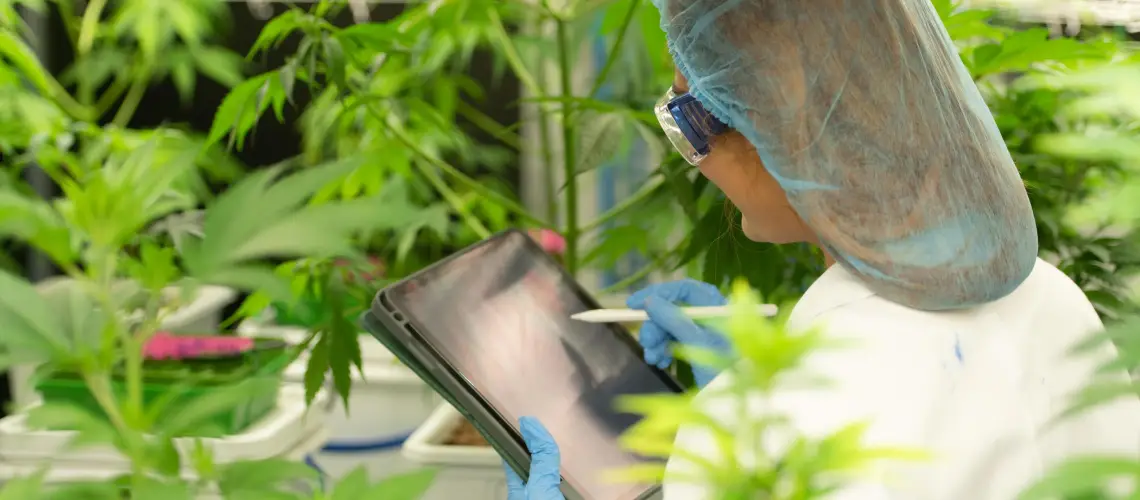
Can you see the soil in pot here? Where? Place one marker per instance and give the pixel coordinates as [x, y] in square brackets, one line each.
[466, 435]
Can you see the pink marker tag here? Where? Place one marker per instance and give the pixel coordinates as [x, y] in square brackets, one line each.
[164, 345]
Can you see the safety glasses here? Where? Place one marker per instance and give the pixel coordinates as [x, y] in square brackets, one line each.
[688, 125]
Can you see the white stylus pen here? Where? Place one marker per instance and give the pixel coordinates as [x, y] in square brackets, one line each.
[633, 315]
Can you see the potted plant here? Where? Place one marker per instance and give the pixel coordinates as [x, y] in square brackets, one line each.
[109, 74]
[81, 333]
[191, 367]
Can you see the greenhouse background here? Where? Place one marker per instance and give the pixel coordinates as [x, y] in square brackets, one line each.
[146, 143]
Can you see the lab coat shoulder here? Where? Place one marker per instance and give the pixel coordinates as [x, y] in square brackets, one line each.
[978, 388]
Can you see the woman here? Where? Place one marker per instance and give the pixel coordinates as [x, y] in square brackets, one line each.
[853, 125]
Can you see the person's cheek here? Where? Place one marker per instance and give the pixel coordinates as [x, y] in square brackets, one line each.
[724, 167]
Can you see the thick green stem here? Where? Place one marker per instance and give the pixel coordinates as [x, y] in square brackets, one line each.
[549, 180]
[615, 50]
[112, 95]
[131, 101]
[511, 54]
[569, 154]
[89, 26]
[88, 29]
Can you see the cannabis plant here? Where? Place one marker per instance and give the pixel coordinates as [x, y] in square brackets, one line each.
[1003, 61]
[387, 97]
[1105, 99]
[95, 232]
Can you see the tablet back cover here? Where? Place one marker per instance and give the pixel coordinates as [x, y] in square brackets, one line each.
[376, 327]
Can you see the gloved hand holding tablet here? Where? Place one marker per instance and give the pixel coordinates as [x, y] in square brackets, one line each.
[490, 330]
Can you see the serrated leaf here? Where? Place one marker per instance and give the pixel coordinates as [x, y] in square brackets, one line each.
[317, 367]
[23, 488]
[31, 329]
[240, 110]
[219, 65]
[601, 137]
[353, 486]
[315, 231]
[258, 217]
[23, 58]
[184, 79]
[334, 60]
[201, 410]
[250, 278]
[276, 30]
[89, 428]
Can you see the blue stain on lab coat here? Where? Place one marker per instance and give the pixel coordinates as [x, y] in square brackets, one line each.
[958, 348]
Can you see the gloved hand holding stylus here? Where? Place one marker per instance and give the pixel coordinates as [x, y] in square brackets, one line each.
[668, 325]
[545, 469]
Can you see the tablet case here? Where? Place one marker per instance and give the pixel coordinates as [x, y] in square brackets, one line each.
[373, 326]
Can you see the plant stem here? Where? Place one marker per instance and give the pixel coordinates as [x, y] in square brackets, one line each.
[112, 94]
[630, 280]
[489, 125]
[453, 199]
[512, 55]
[131, 101]
[67, 14]
[100, 386]
[569, 156]
[615, 50]
[72, 107]
[433, 178]
[455, 173]
[549, 183]
[89, 25]
[626, 204]
[641, 273]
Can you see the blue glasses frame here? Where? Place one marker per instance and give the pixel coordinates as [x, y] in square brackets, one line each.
[688, 125]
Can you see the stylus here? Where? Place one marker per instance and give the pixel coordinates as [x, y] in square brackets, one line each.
[633, 315]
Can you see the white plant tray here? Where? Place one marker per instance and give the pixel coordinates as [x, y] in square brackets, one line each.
[201, 315]
[279, 434]
[468, 472]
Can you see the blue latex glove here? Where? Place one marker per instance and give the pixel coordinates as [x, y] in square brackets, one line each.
[545, 465]
[667, 324]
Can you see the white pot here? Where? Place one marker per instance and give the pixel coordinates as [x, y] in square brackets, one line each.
[467, 472]
[291, 431]
[385, 406]
[201, 315]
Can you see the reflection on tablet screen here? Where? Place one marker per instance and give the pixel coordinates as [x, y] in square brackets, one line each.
[501, 316]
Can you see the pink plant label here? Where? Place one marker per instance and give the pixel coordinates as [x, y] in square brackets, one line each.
[167, 346]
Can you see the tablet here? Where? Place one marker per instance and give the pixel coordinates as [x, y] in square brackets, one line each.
[492, 326]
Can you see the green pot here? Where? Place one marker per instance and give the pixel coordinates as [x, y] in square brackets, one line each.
[162, 377]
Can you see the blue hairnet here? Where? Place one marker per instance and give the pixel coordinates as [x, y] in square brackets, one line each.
[865, 115]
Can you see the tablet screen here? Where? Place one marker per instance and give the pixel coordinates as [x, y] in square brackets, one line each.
[500, 315]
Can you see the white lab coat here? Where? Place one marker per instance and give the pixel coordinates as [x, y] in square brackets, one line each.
[974, 388]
